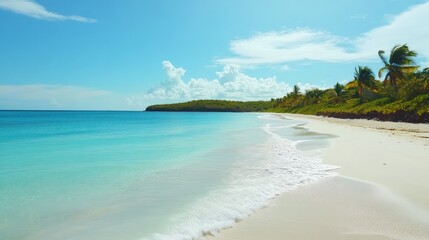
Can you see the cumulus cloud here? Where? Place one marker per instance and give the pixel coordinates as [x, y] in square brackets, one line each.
[174, 74]
[308, 86]
[308, 44]
[237, 85]
[33, 9]
[230, 84]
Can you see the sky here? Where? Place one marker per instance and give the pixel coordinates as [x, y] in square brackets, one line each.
[126, 55]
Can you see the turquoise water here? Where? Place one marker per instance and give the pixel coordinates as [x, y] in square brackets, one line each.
[144, 175]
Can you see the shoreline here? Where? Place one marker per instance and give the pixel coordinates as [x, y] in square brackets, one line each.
[383, 161]
[391, 154]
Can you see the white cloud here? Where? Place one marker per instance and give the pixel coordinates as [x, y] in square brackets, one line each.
[408, 27]
[174, 87]
[174, 74]
[33, 9]
[308, 44]
[307, 86]
[288, 46]
[230, 84]
[237, 85]
[204, 89]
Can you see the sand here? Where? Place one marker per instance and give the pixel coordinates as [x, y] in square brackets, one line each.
[382, 191]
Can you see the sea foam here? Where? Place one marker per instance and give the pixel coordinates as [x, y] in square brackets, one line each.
[266, 170]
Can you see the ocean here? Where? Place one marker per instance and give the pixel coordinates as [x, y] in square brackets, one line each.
[146, 175]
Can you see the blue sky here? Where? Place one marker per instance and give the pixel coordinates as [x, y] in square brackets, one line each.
[57, 54]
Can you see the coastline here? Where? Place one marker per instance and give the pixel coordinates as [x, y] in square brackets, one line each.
[380, 193]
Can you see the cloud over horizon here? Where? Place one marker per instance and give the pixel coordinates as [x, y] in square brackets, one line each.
[35, 10]
[308, 44]
[230, 84]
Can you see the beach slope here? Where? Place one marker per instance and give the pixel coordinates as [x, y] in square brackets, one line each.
[381, 191]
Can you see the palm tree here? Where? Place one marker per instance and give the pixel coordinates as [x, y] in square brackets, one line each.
[296, 90]
[313, 95]
[338, 88]
[400, 63]
[425, 78]
[364, 78]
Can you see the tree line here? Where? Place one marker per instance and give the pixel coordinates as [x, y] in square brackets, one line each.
[404, 80]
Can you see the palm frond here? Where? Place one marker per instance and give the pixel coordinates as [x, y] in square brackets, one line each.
[382, 57]
[409, 69]
[401, 55]
[400, 64]
[351, 84]
[381, 71]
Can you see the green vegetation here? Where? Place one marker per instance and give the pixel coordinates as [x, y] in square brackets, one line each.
[400, 63]
[364, 78]
[213, 106]
[403, 95]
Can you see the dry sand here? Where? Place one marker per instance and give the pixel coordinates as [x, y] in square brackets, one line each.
[382, 191]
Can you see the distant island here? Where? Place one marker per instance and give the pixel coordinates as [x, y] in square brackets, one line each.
[214, 106]
[403, 95]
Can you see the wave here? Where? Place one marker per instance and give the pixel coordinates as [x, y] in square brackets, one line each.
[265, 171]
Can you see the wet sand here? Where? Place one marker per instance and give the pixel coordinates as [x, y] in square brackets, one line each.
[382, 191]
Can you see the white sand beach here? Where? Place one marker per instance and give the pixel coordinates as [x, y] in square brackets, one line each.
[381, 192]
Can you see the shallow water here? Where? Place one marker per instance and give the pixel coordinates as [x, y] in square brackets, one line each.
[145, 175]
